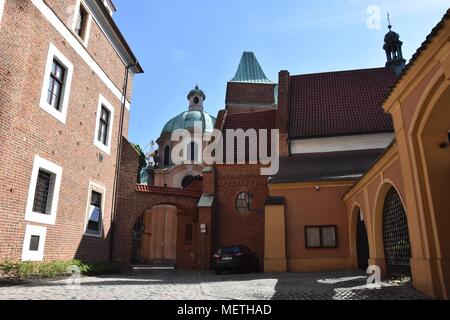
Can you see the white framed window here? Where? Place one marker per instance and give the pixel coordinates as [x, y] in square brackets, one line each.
[82, 20]
[43, 193]
[56, 85]
[95, 210]
[104, 125]
[34, 243]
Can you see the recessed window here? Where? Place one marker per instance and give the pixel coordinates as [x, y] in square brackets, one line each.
[80, 27]
[57, 82]
[34, 243]
[192, 154]
[104, 125]
[167, 156]
[320, 237]
[82, 22]
[94, 221]
[196, 100]
[244, 202]
[43, 193]
[95, 213]
[56, 85]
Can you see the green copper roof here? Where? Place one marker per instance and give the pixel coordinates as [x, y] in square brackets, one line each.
[250, 71]
[188, 119]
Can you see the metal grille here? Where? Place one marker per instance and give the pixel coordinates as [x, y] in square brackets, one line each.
[395, 234]
[42, 192]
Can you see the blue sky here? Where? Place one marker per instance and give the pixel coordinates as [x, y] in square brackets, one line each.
[180, 43]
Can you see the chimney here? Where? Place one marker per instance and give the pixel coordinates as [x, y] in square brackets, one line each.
[281, 122]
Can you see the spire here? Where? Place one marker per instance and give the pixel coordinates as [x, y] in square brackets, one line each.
[250, 71]
[393, 48]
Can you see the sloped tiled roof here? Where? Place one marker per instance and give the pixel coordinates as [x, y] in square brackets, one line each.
[250, 71]
[249, 120]
[339, 103]
[169, 191]
[325, 166]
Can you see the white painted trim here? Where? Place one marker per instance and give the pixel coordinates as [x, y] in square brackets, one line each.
[103, 102]
[88, 22]
[54, 53]
[343, 143]
[40, 163]
[28, 255]
[2, 5]
[78, 47]
[101, 189]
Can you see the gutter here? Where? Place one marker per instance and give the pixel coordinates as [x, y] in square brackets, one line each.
[118, 159]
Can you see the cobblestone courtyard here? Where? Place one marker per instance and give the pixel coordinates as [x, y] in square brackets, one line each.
[185, 285]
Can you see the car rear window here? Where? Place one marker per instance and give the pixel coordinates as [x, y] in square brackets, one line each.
[230, 250]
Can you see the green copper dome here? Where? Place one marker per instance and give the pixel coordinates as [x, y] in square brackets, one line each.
[188, 119]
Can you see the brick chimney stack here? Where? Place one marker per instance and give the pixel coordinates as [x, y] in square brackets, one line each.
[281, 122]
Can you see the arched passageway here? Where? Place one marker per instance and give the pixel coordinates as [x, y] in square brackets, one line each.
[397, 248]
[362, 243]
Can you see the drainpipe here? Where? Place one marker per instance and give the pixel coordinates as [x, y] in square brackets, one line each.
[118, 162]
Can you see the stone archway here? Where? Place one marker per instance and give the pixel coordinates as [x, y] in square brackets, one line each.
[431, 141]
[140, 205]
[362, 242]
[397, 247]
[378, 250]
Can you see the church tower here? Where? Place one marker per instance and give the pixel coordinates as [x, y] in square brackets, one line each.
[393, 48]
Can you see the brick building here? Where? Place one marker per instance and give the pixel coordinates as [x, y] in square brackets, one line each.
[362, 179]
[62, 70]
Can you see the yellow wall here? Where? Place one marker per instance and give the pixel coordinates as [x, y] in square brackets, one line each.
[275, 239]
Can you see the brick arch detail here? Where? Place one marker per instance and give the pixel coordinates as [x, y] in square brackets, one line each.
[138, 204]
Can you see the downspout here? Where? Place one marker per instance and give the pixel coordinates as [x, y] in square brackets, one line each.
[118, 162]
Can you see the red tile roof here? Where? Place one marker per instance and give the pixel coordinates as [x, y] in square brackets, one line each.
[250, 120]
[169, 191]
[339, 103]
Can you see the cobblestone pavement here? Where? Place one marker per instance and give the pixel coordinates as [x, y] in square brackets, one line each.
[185, 285]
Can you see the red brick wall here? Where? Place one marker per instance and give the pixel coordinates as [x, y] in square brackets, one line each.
[27, 130]
[98, 45]
[247, 93]
[230, 227]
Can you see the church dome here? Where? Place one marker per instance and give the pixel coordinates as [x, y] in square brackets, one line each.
[186, 120]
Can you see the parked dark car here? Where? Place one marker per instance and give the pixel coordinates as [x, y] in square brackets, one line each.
[238, 259]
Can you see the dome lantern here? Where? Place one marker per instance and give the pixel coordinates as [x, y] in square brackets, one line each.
[196, 98]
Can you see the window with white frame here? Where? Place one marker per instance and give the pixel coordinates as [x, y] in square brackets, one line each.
[43, 192]
[56, 85]
[82, 22]
[34, 243]
[104, 125]
[95, 208]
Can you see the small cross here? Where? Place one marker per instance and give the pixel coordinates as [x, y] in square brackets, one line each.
[389, 21]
